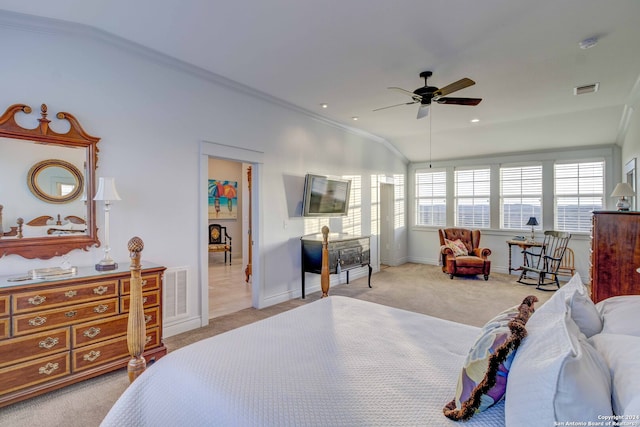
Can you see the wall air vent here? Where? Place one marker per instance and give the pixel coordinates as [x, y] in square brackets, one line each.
[581, 90]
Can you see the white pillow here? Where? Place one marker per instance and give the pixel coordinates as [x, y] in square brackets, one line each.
[35, 230]
[547, 381]
[585, 314]
[622, 355]
[620, 315]
[574, 294]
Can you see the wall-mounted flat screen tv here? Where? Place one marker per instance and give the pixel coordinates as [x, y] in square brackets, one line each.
[325, 196]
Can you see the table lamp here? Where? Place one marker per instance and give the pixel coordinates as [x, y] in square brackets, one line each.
[532, 222]
[106, 192]
[623, 190]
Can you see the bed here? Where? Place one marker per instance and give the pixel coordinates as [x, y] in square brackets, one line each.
[342, 361]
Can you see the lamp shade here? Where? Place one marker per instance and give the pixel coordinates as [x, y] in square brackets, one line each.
[532, 221]
[107, 189]
[623, 190]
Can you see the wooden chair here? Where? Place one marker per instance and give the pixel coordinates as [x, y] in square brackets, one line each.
[219, 240]
[545, 261]
[567, 265]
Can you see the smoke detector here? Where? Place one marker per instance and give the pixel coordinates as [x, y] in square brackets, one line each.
[581, 90]
[588, 42]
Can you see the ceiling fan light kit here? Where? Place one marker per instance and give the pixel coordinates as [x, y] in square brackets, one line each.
[426, 94]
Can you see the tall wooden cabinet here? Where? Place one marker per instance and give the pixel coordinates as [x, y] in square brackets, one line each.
[615, 254]
[57, 332]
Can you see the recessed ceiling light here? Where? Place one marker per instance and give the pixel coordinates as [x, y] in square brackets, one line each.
[588, 42]
[354, 118]
[475, 120]
[324, 105]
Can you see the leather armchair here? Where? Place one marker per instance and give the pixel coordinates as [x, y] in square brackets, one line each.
[474, 263]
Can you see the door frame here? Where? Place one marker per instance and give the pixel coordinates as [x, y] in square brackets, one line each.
[241, 155]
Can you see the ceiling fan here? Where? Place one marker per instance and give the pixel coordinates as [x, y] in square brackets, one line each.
[424, 95]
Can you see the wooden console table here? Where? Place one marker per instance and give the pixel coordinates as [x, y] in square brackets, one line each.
[524, 245]
[346, 252]
[61, 330]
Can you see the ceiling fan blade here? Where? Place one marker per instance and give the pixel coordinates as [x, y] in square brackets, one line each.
[416, 98]
[460, 84]
[423, 111]
[459, 101]
[396, 105]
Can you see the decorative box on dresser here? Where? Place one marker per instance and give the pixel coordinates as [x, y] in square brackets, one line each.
[615, 254]
[56, 332]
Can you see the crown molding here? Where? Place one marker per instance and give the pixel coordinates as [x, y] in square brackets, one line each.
[37, 24]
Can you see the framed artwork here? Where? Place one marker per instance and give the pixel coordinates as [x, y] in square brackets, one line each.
[223, 199]
[630, 174]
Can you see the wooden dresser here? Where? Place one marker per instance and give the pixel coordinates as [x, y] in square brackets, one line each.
[615, 254]
[57, 332]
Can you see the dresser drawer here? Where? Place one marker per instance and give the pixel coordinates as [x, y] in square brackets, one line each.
[108, 351]
[4, 305]
[149, 282]
[48, 319]
[34, 372]
[149, 299]
[4, 328]
[112, 327]
[49, 298]
[33, 346]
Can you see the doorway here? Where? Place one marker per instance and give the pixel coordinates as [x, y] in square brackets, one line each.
[247, 158]
[229, 291]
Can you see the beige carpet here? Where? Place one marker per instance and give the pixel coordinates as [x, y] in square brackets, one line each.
[414, 287]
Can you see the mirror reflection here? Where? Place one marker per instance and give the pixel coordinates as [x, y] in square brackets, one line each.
[55, 181]
[50, 184]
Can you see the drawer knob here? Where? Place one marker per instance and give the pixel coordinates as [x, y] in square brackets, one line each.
[147, 318]
[144, 300]
[92, 355]
[37, 300]
[144, 282]
[71, 313]
[37, 321]
[147, 340]
[101, 308]
[100, 290]
[48, 343]
[92, 332]
[70, 294]
[48, 369]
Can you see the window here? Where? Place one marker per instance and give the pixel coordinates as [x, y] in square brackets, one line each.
[398, 190]
[472, 190]
[431, 198]
[520, 196]
[352, 223]
[579, 189]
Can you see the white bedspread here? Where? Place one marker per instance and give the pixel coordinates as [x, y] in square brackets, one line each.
[334, 362]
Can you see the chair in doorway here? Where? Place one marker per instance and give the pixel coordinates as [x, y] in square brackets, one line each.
[461, 253]
[219, 240]
[542, 264]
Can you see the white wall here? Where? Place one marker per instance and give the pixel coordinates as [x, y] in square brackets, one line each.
[151, 114]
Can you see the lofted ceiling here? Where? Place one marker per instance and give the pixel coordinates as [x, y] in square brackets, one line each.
[523, 55]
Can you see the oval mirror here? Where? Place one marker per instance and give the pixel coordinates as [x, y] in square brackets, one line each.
[55, 181]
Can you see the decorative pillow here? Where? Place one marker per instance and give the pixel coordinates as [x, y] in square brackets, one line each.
[483, 379]
[622, 355]
[620, 315]
[458, 248]
[547, 381]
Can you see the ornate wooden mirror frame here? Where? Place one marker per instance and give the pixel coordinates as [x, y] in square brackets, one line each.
[48, 247]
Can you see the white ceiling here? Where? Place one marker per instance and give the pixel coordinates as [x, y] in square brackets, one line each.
[523, 55]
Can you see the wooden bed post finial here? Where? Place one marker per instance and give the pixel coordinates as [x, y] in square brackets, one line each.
[324, 269]
[136, 331]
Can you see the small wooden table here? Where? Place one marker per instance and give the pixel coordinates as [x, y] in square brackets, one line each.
[524, 245]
